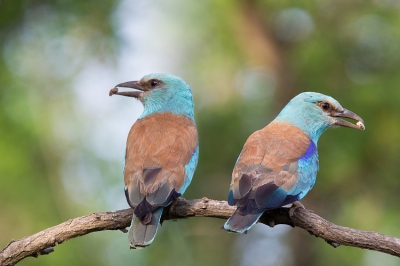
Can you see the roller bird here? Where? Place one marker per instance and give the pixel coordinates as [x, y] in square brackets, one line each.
[162, 151]
[278, 164]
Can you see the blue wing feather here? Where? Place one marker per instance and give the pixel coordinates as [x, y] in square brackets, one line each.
[190, 168]
[307, 172]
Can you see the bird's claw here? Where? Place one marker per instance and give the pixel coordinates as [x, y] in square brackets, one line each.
[333, 244]
[295, 205]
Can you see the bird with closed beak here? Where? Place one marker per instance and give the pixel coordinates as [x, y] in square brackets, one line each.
[162, 151]
[278, 164]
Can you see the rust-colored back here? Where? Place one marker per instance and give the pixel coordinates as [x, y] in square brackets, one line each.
[158, 148]
[270, 155]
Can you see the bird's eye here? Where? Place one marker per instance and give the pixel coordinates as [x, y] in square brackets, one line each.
[154, 82]
[325, 106]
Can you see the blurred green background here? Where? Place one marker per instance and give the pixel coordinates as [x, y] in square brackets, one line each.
[62, 137]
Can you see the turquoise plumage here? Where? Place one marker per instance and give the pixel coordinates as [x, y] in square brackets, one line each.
[161, 153]
[278, 164]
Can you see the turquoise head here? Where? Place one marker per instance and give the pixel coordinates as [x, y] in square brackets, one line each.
[314, 113]
[160, 93]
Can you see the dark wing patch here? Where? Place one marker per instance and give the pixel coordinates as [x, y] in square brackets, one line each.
[161, 195]
[275, 200]
[245, 183]
[144, 209]
[264, 192]
[133, 194]
[149, 174]
[290, 199]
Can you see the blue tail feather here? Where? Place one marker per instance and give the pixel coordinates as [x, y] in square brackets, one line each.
[141, 235]
[239, 223]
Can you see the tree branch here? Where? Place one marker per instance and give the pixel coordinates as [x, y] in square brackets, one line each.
[43, 242]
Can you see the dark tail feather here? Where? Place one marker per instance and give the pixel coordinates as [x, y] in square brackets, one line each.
[141, 235]
[239, 223]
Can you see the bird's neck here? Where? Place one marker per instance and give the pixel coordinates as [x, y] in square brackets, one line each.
[306, 121]
[176, 105]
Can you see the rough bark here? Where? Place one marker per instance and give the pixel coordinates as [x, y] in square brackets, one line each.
[43, 242]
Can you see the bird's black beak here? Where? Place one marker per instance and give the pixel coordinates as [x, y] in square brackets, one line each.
[129, 84]
[348, 114]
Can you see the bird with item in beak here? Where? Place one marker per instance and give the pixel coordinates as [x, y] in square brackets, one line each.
[278, 164]
[162, 151]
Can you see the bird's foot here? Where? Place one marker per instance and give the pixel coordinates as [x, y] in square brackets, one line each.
[295, 205]
[271, 222]
[333, 244]
[45, 251]
[268, 220]
[124, 230]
